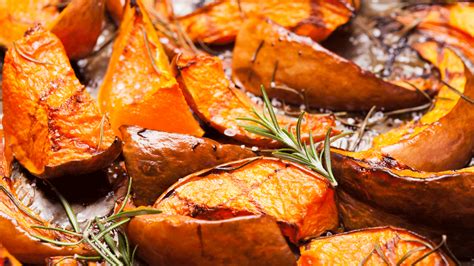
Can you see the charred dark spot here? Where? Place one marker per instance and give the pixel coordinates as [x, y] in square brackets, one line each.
[214, 147]
[140, 133]
[300, 53]
[201, 244]
[195, 145]
[169, 194]
[276, 170]
[7, 262]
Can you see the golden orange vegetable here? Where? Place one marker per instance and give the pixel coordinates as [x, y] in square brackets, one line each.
[52, 124]
[265, 53]
[373, 246]
[70, 261]
[6, 259]
[156, 160]
[139, 88]
[78, 25]
[209, 94]
[180, 240]
[300, 200]
[220, 21]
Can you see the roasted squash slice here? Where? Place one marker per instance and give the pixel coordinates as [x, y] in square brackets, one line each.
[156, 160]
[70, 261]
[373, 246]
[209, 94]
[220, 21]
[403, 174]
[6, 259]
[449, 24]
[265, 53]
[78, 25]
[138, 88]
[300, 200]
[51, 123]
[181, 240]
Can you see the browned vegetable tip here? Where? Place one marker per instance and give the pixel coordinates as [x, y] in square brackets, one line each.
[78, 25]
[300, 200]
[156, 160]
[181, 240]
[52, 124]
[407, 173]
[373, 246]
[219, 22]
[212, 98]
[265, 53]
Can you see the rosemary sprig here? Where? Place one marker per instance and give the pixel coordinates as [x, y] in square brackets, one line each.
[102, 234]
[296, 150]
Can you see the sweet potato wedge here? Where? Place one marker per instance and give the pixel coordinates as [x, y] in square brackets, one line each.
[138, 88]
[181, 240]
[373, 246]
[52, 124]
[78, 25]
[265, 53]
[209, 94]
[156, 160]
[220, 21]
[449, 24]
[300, 200]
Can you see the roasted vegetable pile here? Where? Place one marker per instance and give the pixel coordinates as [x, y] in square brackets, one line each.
[236, 132]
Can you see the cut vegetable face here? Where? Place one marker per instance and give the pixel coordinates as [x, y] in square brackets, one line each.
[220, 22]
[78, 25]
[373, 246]
[209, 94]
[265, 53]
[51, 123]
[139, 88]
[156, 160]
[300, 200]
[163, 239]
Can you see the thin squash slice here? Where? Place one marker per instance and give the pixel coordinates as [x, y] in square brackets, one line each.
[52, 125]
[139, 88]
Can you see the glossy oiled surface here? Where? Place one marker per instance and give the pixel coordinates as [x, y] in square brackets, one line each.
[220, 22]
[138, 88]
[51, 123]
[181, 240]
[156, 160]
[300, 200]
[266, 52]
[374, 246]
[208, 92]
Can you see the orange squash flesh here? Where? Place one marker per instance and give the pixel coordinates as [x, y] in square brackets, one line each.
[6, 259]
[209, 94]
[360, 246]
[70, 261]
[52, 124]
[220, 22]
[78, 25]
[138, 88]
[300, 200]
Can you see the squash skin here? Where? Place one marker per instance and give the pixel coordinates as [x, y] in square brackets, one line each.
[156, 160]
[385, 181]
[78, 33]
[212, 99]
[300, 200]
[358, 245]
[219, 22]
[137, 91]
[181, 240]
[328, 80]
[67, 135]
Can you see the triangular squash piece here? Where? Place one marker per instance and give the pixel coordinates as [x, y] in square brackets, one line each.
[52, 124]
[139, 88]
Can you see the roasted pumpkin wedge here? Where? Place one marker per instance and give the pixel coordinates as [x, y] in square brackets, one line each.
[138, 88]
[373, 246]
[265, 53]
[6, 259]
[78, 25]
[220, 21]
[70, 261]
[156, 160]
[52, 124]
[300, 200]
[387, 177]
[209, 94]
[181, 240]
[449, 24]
